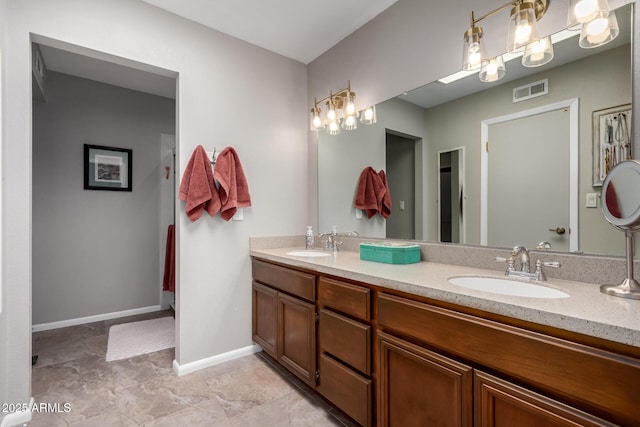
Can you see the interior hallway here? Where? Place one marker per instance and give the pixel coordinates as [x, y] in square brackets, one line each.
[145, 391]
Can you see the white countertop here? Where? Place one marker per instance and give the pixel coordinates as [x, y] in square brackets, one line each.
[586, 311]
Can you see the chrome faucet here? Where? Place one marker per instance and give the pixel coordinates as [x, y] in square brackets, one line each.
[523, 253]
[331, 244]
[525, 265]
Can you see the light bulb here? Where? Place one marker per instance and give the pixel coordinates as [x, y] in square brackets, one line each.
[368, 114]
[317, 122]
[537, 50]
[523, 32]
[492, 69]
[597, 27]
[584, 9]
[331, 114]
[350, 107]
[474, 54]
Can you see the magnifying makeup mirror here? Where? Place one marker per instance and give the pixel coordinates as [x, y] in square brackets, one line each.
[621, 207]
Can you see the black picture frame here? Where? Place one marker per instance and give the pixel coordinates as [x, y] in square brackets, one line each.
[107, 168]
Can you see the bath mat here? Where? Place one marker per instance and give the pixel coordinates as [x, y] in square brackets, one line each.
[133, 339]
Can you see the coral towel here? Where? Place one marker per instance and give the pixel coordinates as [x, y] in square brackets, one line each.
[233, 187]
[169, 279]
[197, 188]
[385, 203]
[370, 192]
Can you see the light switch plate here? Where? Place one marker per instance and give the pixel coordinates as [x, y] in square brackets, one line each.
[592, 200]
[358, 213]
[401, 205]
[239, 216]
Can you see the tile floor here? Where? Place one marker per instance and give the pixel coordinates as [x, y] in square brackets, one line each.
[144, 390]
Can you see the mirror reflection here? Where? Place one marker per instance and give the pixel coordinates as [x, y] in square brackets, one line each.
[498, 164]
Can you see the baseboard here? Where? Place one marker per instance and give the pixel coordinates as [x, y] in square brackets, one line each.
[188, 368]
[96, 318]
[18, 418]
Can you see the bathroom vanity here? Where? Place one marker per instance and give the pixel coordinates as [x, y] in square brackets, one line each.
[400, 346]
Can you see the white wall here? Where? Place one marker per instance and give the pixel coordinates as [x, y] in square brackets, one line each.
[95, 252]
[229, 93]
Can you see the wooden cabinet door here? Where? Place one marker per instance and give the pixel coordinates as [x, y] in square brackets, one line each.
[297, 337]
[499, 403]
[265, 318]
[417, 387]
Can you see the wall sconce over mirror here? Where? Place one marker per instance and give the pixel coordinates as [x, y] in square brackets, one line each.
[597, 24]
[342, 112]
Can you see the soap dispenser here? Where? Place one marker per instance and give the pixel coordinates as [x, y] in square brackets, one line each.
[309, 242]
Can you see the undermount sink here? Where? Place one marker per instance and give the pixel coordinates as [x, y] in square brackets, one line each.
[497, 285]
[313, 254]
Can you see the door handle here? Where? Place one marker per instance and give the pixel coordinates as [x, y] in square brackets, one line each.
[558, 230]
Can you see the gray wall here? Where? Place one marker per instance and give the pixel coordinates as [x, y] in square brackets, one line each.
[344, 157]
[216, 84]
[5, 346]
[95, 252]
[443, 122]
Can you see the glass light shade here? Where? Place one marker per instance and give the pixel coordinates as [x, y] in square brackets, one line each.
[492, 70]
[368, 116]
[350, 122]
[583, 11]
[523, 27]
[316, 121]
[350, 103]
[333, 127]
[538, 53]
[473, 51]
[599, 32]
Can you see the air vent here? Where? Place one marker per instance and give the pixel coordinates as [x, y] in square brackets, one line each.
[531, 90]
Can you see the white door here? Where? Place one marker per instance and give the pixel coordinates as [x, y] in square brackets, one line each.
[528, 181]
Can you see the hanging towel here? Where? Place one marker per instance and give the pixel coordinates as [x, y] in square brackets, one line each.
[233, 189]
[385, 202]
[169, 279]
[370, 192]
[197, 188]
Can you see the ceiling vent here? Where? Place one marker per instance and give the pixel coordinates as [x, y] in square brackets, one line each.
[532, 90]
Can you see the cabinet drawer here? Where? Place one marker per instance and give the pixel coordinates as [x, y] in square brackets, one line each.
[346, 389]
[346, 298]
[346, 339]
[500, 403]
[290, 281]
[599, 382]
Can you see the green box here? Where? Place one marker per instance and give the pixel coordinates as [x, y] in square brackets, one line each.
[390, 252]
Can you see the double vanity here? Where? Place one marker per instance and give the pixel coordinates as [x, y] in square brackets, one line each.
[440, 344]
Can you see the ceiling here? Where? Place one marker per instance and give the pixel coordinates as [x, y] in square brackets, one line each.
[298, 29]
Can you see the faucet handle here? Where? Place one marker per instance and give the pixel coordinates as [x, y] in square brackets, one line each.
[511, 261]
[540, 276]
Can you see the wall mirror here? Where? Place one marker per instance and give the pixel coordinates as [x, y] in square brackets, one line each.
[535, 181]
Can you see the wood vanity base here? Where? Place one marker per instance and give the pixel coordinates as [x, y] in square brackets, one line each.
[392, 359]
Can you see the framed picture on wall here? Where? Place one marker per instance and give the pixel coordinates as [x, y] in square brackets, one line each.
[107, 168]
[611, 140]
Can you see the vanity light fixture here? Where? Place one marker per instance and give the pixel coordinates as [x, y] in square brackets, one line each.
[523, 30]
[342, 112]
[597, 24]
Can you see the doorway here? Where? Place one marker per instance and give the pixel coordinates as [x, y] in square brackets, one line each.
[95, 253]
[401, 176]
[451, 195]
